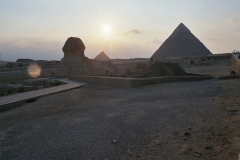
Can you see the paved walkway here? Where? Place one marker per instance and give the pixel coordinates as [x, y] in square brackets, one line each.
[14, 100]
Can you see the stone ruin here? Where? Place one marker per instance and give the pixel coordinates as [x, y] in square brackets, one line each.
[159, 69]
[25, 60]
[19, 63]
[75, 62]
[27, 85]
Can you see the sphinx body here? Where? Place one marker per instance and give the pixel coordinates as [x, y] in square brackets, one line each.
[74, 61]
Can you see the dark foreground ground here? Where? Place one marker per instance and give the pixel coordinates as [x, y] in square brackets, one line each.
[187, 120]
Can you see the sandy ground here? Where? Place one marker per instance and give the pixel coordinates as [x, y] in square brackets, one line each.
[188, 120]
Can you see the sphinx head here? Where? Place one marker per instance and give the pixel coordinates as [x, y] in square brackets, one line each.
[73, 46]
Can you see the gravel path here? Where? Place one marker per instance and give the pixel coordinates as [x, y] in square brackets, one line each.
[149, 122]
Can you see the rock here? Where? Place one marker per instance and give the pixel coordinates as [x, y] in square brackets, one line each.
[208, 146]
[4, 90]
[232, 110]
[34, 82]
[20, 89]
[187, 134]
[207, 137]
[219, 148]
[158, 142]
[184, 138]
[231, 113]
[184, 151]
[40, 87]
[14, 91]
[224, 125]
[197, 154]
[239, 156]
[129, 152]
[51, 83]
[28, 88]
[190, 148]
[114, 141]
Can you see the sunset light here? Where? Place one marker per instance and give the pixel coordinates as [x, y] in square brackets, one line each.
[106, 29]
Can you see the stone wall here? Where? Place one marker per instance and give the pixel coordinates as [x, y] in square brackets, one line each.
[22, 75]
[125, 66]
[235, 64]
[42, 63]
[203, 60]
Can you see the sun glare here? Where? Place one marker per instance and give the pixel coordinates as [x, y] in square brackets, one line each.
[106, 29]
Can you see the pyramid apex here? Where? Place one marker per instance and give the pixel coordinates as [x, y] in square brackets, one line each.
[181, 28]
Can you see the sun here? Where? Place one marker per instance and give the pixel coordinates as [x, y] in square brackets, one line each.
[106, 29]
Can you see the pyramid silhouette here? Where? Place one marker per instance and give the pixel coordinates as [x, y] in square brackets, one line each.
[181, 43]
[102, 56]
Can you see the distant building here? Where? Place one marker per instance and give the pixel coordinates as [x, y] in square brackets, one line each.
[2, 63]
[25, 60]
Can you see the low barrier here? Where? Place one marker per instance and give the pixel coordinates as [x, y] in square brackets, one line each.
[133, 82]
[235, 64]
[22, 75]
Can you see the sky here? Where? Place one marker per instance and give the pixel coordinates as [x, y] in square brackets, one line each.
[122, 29]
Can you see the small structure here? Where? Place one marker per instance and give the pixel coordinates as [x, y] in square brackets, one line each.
[159, 69]
[25, 60]
[131, 66]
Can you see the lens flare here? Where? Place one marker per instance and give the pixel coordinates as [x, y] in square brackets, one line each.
[34, 70]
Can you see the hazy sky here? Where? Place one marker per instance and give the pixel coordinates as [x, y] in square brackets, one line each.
[38, 29]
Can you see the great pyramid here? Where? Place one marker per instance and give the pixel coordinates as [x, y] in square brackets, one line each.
[181, 43]
[102, 56]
